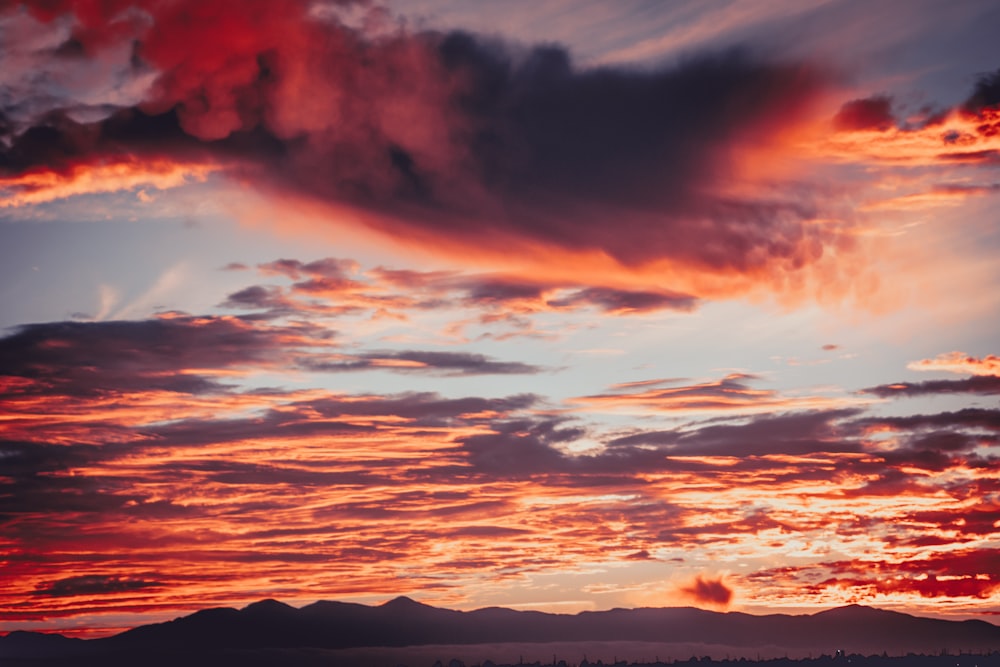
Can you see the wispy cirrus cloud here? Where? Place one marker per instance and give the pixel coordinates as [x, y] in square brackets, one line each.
[732, 393]
[446, 363]
[499, 305]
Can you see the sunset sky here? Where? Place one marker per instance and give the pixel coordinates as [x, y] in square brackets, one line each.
[553, 305]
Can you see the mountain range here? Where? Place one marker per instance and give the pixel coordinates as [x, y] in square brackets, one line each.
[403, 622]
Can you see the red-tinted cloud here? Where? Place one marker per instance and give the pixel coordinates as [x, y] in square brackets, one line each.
[233, 495]
[705, 590]
[963, 573]
[449, 139]
[865, 130]
[871, 113]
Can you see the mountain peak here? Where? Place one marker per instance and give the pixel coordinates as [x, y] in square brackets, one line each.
[403, 602]
[855, 610]
[267, 605]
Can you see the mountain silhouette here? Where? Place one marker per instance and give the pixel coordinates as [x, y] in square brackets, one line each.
[400, 622]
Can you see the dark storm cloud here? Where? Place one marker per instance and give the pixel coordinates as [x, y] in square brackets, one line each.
[567, 150]
[487, 140]
[985, 95]
[59, 143]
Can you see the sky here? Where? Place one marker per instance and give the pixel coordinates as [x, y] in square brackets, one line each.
[554, 305]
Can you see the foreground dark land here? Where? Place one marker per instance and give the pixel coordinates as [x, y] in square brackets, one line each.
[405, 632]
[317, 658]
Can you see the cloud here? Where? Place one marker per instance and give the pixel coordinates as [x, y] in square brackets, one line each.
[870, 113]
[965, 418]
[959, 362]
[260, 297]
[960, 573]
[985, 96]
[478, 305]
[626, 301]
[36, 186]
[415, 361]
[709, 591]
[978, 384]
[866, 131]
[174, 353]
[173, 359]
[96, 584]
[508, 294]
[449, 139]
[731, 393]
[325, 485]
[796, 433]
[148, 451]
[329, 268]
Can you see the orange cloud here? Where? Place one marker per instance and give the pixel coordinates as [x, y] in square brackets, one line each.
[959, 362]
[41, 186]
[956, 137]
